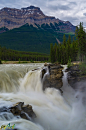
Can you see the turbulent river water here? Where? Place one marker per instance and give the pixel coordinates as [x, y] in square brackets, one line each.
[18, 83]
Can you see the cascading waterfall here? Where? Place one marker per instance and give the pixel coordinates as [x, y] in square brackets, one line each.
[18, 83]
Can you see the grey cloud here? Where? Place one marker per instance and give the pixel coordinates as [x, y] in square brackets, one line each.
[84, 14]
[64, 7]
[59, 7]
[70, 18]
[73, 3]
[73, 20]
[10, 3]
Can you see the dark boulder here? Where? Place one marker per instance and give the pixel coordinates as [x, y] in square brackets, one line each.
[3, 109]
[18, 110]
[28, 109]
[24, 111]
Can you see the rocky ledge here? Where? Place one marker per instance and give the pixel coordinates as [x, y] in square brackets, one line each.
[19, 110]
[54, 79]
[76, 76]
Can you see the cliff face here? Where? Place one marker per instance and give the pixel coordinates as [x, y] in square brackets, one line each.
[77, 77]
[54, 79]
[14, 18]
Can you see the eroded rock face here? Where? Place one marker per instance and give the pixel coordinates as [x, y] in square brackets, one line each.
[19, 109]
[75, 76]
[54, 80]
[24, 111]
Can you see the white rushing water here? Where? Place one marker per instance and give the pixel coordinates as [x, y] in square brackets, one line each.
[18, 83]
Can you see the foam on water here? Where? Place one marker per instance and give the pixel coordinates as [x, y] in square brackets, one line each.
[53, 111]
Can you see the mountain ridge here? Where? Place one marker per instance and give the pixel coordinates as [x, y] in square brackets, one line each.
[15, 18]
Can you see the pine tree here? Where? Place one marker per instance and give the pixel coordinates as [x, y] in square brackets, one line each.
[55, 52]
[52, 56]
[64, 40]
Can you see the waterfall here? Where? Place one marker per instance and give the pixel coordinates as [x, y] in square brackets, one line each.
[23, 83]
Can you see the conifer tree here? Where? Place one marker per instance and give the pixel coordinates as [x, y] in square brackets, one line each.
[64, 40]
[55, 52]
[52, 57]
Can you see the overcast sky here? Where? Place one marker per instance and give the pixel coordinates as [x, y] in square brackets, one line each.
[67, 10]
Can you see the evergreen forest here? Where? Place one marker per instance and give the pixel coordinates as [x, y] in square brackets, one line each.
[70, 50]
[13, 55]
[30, 38]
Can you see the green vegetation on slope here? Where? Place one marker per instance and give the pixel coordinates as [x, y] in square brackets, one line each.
[12, 55]
[29, 38]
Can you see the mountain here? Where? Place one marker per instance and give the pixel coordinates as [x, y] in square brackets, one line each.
[29, 29]
[15, 18]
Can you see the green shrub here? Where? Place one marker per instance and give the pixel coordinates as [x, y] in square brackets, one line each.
[19, 60]
[32, 61]
[82, 67]
[69, 63]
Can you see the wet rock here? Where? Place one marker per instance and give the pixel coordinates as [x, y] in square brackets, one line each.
[45, 64]
[3, 109]
[54, 79]
[17, 108]
[28, 109]
[35, 69]
[24, 111]
[75, 76]
[43, 72]
[24, 116]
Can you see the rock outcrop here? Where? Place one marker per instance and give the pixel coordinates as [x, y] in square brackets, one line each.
[14, 18]
[54, 79]
[24, 111]
[19, 109]
[75, 76]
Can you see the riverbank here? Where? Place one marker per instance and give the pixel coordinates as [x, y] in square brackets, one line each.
[20, 62]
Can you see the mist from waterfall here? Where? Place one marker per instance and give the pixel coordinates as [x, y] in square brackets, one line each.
[23, 83]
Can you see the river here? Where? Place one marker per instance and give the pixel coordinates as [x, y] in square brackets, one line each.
[18, 83]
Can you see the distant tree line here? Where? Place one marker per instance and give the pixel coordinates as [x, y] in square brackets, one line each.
[70, 50]
[12, 55]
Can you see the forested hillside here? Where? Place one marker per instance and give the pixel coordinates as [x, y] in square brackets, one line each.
[12, 55]
[33, 39]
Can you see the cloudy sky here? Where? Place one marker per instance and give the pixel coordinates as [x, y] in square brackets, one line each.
[67, 10]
